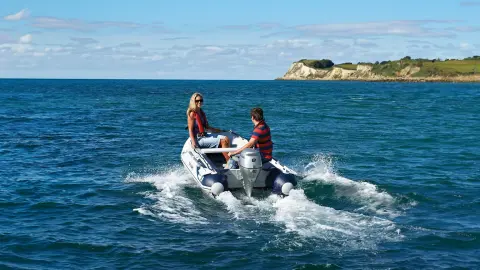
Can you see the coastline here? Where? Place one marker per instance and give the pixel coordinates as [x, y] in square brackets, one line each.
[459, 79]
[300, 71]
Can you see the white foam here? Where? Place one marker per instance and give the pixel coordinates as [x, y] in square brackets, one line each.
[233, 204]
[307, 220]
[243, 207]
[170, 201]
[373, 201]
[335, 227]
[296, 221]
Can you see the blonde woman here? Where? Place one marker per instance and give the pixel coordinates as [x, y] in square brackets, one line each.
[198, 127]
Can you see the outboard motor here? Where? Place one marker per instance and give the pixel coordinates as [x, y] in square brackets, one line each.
[250, 165]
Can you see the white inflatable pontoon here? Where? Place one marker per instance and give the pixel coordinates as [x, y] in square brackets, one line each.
[208, 168]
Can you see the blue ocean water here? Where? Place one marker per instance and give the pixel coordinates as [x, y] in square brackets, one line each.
[91, 177]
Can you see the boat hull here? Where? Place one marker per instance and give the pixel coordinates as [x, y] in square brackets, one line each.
[208, 169]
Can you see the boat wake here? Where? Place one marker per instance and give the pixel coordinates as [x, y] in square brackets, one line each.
[304, 222]
[171, 203]
[367, 196]
[299, 218]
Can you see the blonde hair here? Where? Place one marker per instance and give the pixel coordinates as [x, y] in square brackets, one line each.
[192, 106]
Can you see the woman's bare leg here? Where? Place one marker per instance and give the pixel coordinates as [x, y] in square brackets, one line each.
[225, 143]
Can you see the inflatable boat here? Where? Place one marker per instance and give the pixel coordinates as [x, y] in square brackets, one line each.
[210, 171]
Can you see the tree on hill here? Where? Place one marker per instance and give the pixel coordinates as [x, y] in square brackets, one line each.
[475, 57]
[423, 59]
[324, 63]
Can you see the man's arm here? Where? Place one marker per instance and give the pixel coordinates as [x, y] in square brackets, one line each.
[249, 144]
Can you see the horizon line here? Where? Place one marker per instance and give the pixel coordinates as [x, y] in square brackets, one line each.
[138, 79]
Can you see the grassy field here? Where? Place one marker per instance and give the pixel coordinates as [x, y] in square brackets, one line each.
[449, 68]
[347, 66]
[429, 68]
[460, 66]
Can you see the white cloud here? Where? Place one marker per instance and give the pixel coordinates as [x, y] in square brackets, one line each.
[22, 14]
[410, 28]
[25, 65]
[420, 28]
[80, 25]
[120, 54]
[255, 26]
[465, 46]
[130, 45]
[20, 48]
[154, 57]
[284, 54]
[213, 49]
[365, 43]
[56, 23]
[84, 41]
[291, 44]
[54, 49]
[26, 39]
[174, 38]
[464, 29]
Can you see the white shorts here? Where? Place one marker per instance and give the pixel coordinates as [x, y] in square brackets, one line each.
[210, 140]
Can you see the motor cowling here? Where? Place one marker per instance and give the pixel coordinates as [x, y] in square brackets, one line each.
[250, 164]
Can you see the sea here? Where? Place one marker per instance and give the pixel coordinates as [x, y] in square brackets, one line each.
[91, 176]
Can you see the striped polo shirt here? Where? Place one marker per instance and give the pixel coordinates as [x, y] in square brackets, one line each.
[261, 133]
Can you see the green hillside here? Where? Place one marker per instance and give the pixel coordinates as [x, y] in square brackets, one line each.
[427, 67]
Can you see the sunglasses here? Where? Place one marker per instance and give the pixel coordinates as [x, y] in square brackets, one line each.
[199, 100]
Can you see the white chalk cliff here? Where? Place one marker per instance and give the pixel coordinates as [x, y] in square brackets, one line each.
[300, 71]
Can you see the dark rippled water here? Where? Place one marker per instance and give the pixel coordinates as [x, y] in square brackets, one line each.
[90, 176]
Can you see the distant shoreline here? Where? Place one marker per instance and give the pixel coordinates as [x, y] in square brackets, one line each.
[403, 80]
[403, 70]
[427, 80]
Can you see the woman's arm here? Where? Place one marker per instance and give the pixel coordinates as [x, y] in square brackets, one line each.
[190, 121]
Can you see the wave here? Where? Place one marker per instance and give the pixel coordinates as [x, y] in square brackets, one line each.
[306, 221]
[296, 217]
[370, 199]
[171, 203]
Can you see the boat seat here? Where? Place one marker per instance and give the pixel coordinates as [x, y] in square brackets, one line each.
[217, 158]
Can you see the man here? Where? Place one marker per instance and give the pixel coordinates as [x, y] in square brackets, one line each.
[260, 138]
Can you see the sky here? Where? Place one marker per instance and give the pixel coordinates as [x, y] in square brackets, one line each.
[224, 39]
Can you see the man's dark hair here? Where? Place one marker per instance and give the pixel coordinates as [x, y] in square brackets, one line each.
[257, 114]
